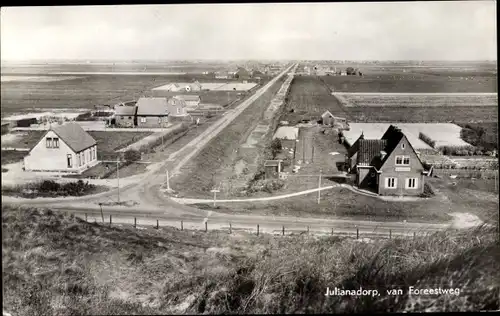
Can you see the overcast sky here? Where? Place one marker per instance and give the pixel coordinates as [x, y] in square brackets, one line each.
[354, 31]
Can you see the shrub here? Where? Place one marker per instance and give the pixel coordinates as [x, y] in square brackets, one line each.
[428, 191]
[426, 139]
[49, 186]
[276, 147]
[132, 155]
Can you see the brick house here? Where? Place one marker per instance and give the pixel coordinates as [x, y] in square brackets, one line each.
[152, 112]
[387, 166]
[125, 116]
[63, 148]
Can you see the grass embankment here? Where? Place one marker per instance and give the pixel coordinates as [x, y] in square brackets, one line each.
[59, 265]
[206, 169]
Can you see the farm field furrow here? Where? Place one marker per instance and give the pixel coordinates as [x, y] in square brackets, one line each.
[415, 100]
[404, 82]
[428, 114]
[308, 99]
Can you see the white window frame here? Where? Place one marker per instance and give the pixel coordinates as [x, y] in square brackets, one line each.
[402, 160]
[388, 182]
[48, 142]
[143, 120]
[403, 146]
[55, 142]
[178, 111]
[408, 180]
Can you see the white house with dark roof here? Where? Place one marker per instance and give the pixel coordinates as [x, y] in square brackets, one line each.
[63, 148]
[152, 112]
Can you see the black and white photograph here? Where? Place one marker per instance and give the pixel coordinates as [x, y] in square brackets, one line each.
[250, 158]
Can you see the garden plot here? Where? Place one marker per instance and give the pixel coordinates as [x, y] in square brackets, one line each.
[444, 134]
[256, 136]
[417, 99]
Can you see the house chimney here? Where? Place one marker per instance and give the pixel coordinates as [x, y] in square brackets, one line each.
[362, 135]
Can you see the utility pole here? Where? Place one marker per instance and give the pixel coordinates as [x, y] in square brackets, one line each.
[215, 194]
[118, 177]
[319, 186]
[168, 182]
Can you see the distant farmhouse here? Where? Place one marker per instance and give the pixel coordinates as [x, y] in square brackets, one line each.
[125, 116]
[388, 166]
[63, 148]
[152, 112]
[242, 74]
[184, 86]
[192, 101]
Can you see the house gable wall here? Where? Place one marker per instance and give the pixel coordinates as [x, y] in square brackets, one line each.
[389, 170]
[152, 121]
[41, 158]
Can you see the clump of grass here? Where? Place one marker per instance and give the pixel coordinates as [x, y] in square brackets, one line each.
[54, 264]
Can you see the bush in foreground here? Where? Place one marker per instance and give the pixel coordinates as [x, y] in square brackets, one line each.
[50, 188]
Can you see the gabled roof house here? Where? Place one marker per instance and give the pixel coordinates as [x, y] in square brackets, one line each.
[388, 166]
[63, 148]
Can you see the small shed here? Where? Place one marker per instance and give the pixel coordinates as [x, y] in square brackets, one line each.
[327, 118]
[272, 169]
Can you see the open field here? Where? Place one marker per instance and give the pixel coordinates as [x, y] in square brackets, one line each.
[36, 78]
[51, 258]
[309, 98]
[82, 92]
[390, 79]
[209, 167]
[11, 156]
[444, 134]
[418, 100]
[429, 114]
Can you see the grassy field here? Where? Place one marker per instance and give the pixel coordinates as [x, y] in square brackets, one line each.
[426, 100]
[415, 80]
[429, 114]
[206, 97]
[11, 156]
[308, 99]
[58, 265]
[477, 197]
[206, 169]
[85, 91]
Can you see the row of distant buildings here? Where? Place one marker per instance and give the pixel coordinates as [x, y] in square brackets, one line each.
[154, 112]
[319, 70]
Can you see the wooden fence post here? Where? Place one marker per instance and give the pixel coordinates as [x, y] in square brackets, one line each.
[390, 233]
[257, 229]
[206, 226]
[157, 224]
[135, 222]
[182, 225]
[230, 228]
[414, 235]
[283, 230]
[110, 219]
[357, 233]
[332, 231]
